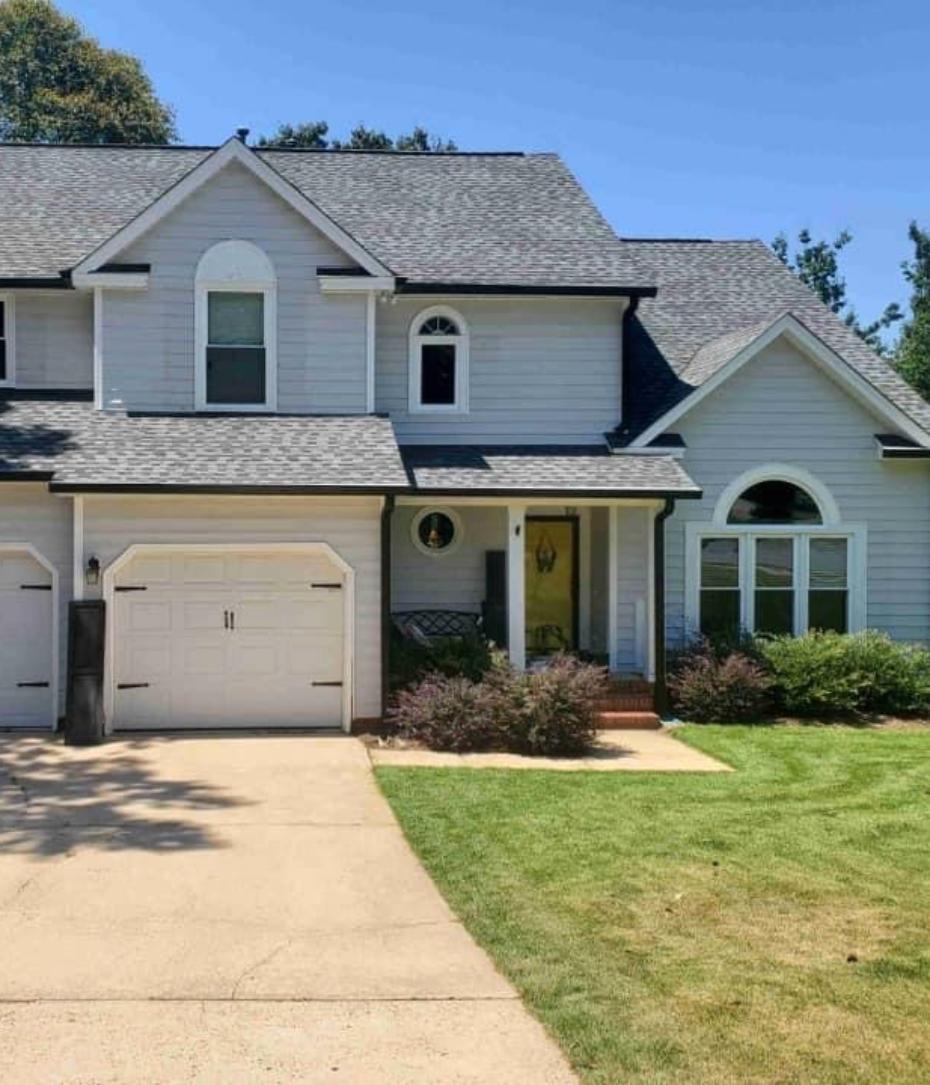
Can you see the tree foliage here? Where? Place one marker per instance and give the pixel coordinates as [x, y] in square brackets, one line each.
[913, 354]
[816, 264]
[58, 85]
[315, 135]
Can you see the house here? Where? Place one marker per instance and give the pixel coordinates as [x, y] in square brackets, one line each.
[261, 401]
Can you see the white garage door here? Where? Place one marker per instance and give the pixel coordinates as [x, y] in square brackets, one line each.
[26, 656]
[232, 639]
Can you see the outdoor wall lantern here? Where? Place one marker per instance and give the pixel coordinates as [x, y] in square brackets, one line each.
[92, 572]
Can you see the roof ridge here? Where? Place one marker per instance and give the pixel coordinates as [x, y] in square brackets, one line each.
[693, 240]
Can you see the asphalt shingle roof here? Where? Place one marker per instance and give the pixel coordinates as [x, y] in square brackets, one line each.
[488, 219]
[546, 469]
[79, 445]
[714, 297]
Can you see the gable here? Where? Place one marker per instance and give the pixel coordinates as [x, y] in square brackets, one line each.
[718, 363]
[781, 402]
[201, 176]
[234, 204]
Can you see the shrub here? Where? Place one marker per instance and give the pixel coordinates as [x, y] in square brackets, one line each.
[447, 713]
[466, 657]
[560, 707]
[834, 674]
[551, 711]
[708, 684]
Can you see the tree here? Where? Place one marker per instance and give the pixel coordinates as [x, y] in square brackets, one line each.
[913, 353]
[816, 264]
[314, 135]
[58, 85]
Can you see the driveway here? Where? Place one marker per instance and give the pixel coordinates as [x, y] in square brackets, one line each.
[233, 909]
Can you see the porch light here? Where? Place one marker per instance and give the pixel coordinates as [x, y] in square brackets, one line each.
[92, 572]
[546, 554]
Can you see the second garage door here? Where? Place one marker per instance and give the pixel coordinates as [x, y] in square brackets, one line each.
[228, 639]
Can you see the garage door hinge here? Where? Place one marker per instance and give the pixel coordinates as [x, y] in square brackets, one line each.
[132, 685]
[35, 587]
[332, 587]
[131, 587]
[32, 685]
[326, 683]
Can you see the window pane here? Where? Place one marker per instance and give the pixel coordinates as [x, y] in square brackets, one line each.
[774, 503]
[437, 374]
[438, 325]
[236, 375]
[720, 563]
[236, 319]
[2, 359]
[828, 563]
[2, 319]
[436, 531]
[774, 563]
[827, 610]
[720, 613]
[775, 612]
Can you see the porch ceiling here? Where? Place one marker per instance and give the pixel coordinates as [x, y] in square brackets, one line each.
[544, 470]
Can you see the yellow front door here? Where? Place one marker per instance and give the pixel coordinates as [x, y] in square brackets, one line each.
[551, 563]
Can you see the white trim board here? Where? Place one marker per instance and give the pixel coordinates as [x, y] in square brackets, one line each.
[348, 666]
[233, 150]
[801, 337]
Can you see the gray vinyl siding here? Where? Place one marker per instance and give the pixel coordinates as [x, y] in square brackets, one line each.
[54, 340]
[453, 581]
[30, 514]
[541, 371]
[780, 408]
[351, 526]
[148, 336]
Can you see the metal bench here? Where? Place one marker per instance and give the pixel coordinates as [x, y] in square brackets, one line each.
[429, 625]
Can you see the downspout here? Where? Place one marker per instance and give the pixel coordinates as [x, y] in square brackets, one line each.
[658, 549]
[387, 510]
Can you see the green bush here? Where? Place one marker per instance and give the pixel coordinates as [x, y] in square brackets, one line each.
[834, 674]
[455, 657]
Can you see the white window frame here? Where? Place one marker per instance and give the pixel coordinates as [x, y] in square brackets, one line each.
[236, 267]
[458, 530]
[832, 526]
[415, 367]
[9, 334]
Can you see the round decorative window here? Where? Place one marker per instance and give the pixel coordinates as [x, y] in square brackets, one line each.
[436, 531]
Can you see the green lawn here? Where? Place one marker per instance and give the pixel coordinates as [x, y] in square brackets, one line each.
[769, 925]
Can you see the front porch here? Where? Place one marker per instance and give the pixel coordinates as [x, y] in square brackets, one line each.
[574, 574]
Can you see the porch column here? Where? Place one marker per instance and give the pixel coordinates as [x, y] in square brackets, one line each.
[516, 585]
[613, 588]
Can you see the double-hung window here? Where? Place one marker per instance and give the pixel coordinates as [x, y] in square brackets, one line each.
[236, 352]
[235, 334]
[774, 567]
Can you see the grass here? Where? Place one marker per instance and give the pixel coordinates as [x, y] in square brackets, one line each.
[767, 925]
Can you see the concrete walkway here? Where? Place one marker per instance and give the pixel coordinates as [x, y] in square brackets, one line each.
[234, 909]
[616, 751]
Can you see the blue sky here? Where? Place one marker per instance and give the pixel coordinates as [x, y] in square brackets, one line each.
[681, 117]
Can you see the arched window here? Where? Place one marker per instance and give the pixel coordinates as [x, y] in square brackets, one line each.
[778, 560]
[235, 326]
[774, 502]
[438, 361]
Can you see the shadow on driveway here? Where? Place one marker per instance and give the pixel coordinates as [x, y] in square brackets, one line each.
[113, 794]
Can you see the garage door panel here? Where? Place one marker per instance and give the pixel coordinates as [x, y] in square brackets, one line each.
[147, 616]
[26, 642]
[146, 570]
[255, 671]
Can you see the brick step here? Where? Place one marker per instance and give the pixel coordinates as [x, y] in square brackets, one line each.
[627, 702]
[628, 721]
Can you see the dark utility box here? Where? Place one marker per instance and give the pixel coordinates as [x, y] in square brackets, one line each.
[84, 719]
